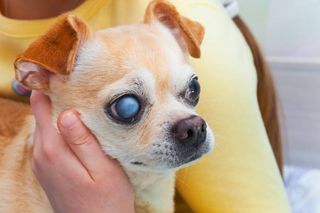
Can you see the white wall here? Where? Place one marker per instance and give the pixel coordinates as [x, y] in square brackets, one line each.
[289, 32]
[285, 28]
[293, 29]
[255, 13]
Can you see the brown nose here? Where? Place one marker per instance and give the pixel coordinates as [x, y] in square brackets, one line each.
[190, 131]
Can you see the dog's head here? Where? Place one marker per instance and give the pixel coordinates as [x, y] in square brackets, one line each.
[133, 85]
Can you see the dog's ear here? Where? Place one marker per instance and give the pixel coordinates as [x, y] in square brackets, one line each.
[53, 53]
[188, 33]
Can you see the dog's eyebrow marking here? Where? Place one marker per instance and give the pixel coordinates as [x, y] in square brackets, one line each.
[144, 83]
[138, 82]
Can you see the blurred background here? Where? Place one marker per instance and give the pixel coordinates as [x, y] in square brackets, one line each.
[289, 34]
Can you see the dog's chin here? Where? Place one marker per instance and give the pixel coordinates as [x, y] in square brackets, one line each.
[172, 166]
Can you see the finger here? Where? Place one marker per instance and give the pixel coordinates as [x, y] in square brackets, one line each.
[49, 147]
[53, 157]
[36, 136]
[41, 108]
[83, 144]
[49, 139]
[36, 140]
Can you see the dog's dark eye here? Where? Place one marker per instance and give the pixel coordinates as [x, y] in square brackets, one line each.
[125, 109]
[193, 91]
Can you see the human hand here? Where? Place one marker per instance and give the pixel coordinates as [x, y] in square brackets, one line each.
[75, 173]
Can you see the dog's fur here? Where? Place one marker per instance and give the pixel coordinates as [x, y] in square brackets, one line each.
[84, 71]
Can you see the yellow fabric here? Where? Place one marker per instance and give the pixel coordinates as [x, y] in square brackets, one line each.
[241, 174]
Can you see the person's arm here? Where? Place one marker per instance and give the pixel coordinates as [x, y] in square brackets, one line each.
[75, 173]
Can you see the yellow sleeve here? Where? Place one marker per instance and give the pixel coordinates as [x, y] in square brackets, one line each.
[240, 175]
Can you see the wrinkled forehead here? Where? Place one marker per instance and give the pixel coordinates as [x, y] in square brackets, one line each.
[114, 53]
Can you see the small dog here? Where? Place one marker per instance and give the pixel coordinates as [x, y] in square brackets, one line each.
[134, 89]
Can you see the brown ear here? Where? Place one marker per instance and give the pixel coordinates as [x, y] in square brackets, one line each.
[53, 53]
[191, 31]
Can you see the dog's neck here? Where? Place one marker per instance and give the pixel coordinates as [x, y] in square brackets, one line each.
[154, 190]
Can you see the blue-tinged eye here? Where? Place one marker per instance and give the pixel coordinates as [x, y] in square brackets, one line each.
[125, 109]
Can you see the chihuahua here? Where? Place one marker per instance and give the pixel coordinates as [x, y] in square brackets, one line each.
[134, 89]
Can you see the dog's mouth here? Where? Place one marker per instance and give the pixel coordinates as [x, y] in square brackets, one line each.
[190, 159]
[193, 157]
[180, 160]
[138, 163]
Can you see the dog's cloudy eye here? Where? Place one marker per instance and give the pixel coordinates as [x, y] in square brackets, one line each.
[125, 109]
[193, 91]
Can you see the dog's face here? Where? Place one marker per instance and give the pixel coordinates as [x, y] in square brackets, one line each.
[133, 86]
[136, 90]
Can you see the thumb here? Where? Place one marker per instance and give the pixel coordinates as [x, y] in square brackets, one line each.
[83, 143]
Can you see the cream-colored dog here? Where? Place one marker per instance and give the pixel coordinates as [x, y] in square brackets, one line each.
[135, 90]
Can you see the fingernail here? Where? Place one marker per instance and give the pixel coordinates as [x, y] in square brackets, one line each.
[69, 120]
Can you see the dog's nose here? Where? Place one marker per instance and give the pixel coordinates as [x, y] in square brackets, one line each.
[190, 131]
